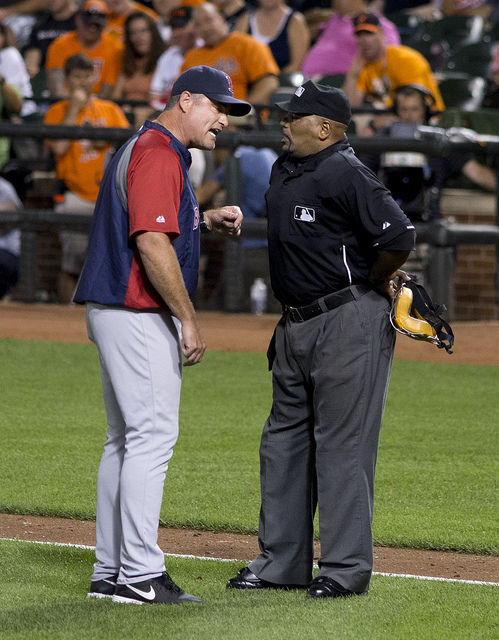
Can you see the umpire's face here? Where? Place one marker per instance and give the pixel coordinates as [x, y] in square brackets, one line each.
[302, 133]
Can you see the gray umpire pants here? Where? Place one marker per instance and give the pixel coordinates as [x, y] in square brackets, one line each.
[319, 444]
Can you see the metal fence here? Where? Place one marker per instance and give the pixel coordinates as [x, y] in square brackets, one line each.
[442, 235]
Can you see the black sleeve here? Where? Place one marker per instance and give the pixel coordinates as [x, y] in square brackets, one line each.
[379, 216]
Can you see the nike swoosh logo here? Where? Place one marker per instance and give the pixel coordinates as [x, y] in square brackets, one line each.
[148, 595]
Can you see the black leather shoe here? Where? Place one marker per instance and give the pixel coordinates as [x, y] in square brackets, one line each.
[325, 587]
[245, 579]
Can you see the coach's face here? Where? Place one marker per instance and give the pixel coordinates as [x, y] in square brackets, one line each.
[205, 120]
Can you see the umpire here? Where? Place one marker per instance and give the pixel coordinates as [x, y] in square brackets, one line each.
[336, 240]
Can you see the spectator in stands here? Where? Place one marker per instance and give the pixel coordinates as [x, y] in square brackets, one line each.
[119, 10]
[143, 47]
[423, 8]
[10, 240]
[79, 163]
[255, 166]
[414, 179]
[163, 8]
[249, 63]
[232, 11]
[481, 8]
[11, 103]
[87, 38]
[182, 39]
[57, 19]
[336, 46]
[491, 97]
[378, 69]
[19, 16]
[281, 28]
[15, 78]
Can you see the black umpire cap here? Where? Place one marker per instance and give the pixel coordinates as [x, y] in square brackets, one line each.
[321, 100]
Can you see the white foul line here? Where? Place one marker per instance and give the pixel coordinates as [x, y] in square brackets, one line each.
[192, 557]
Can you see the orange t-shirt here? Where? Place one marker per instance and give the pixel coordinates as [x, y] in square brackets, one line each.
[82, 166]
[107, 57]
[401, 65]
[115, 26]
[242, 57]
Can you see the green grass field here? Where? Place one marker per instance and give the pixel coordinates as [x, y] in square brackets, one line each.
[46, 602]
[436, 488]
[435, 485]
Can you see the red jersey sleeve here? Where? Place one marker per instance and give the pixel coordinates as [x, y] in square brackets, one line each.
[154, 186]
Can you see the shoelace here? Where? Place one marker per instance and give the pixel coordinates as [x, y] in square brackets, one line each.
[169, 584]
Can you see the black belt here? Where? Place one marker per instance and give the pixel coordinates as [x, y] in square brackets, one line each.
[326, 303]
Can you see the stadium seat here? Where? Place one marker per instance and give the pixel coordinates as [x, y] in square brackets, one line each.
[408, 25]
[457, 31]
[333, 80]
[491, 33]
[462, 91]
[436, 53]
[473, 59]
[291, 78]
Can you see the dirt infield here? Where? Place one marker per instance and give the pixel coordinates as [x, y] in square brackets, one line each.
[476, 343]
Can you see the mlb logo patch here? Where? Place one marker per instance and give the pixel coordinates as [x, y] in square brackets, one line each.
[304, 214]
[196, 218]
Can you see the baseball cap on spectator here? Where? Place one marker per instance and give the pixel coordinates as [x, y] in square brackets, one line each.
[180, 16]
[212, 83]
[94, 12]
[366, 22]
[320, 100]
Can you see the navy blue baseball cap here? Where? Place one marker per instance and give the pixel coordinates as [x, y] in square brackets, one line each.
[214, 84]
[320, 100]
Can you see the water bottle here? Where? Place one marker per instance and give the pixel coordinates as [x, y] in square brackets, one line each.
[258, 296]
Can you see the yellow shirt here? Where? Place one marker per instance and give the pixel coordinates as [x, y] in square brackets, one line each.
[401, 65]
[242, 57]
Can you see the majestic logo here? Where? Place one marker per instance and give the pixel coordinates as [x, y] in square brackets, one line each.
[148, 595]
[160, 219]
[196, 218]
[386, 225]
[299, 91]
[304, 214]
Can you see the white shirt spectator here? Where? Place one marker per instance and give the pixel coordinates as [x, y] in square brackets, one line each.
[13, 69]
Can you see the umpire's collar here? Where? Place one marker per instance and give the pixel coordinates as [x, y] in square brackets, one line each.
[309, 163]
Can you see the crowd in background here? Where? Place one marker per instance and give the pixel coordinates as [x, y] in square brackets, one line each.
[113, 63]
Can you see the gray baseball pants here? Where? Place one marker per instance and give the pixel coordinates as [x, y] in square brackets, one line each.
[319, 444]
[141, 369]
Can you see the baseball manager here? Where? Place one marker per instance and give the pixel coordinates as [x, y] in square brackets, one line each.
[141, 269]
[336, 240]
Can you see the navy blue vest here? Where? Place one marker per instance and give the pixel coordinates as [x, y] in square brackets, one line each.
[105, 277]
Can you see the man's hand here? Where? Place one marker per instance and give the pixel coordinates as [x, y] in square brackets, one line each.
[78, 99]
[389, 288]
[358, 63]
[193, 345]
[226, 220]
